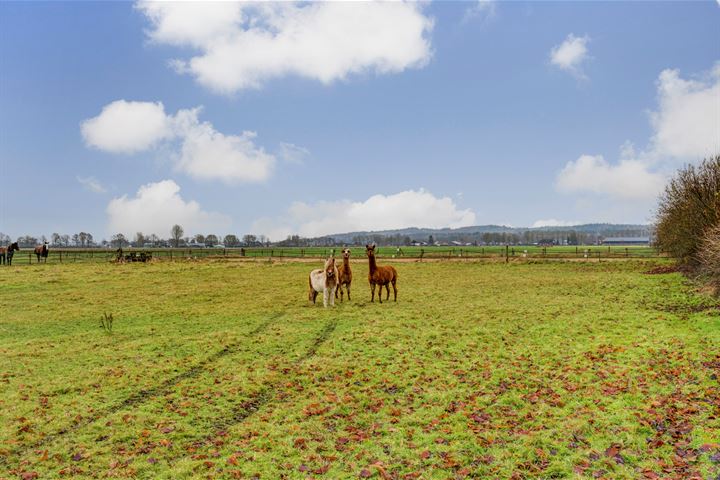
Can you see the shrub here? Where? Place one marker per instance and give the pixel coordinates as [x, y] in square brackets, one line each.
[688, 209]
[709, 256]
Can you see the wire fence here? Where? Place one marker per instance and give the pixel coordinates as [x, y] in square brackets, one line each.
[508, 253]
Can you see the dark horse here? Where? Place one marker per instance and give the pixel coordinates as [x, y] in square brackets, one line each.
[42, 251]
[6, 253]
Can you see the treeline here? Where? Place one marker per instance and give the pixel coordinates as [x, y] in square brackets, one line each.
[563, 236]
[688, 219]
[140, 240]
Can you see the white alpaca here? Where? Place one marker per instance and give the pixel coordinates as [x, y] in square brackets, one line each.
[324, 280]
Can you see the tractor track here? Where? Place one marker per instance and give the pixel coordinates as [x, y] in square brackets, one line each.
[144, 395]
[264, 396]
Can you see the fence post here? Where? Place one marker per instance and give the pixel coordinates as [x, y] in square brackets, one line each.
[30, 258]
[60, 256]
[506, 254]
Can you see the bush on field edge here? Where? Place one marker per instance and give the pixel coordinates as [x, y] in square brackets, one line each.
[688, 218]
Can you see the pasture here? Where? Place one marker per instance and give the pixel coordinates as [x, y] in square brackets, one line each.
[221, 369]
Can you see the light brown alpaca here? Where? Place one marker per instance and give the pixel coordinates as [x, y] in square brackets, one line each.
[344, 275]
[324, 280]
[382, 276]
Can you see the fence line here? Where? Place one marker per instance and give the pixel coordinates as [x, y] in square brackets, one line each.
[505, 252]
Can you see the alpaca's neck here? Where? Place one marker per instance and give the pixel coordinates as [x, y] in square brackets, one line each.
[373, 265]
[346, 264]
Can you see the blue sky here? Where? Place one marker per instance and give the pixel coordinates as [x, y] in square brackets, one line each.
[363, 116]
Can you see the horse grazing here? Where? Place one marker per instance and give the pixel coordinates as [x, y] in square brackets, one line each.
[6, 253]
[324, 280]
[42, 251]
[381, 276]
[344, 275]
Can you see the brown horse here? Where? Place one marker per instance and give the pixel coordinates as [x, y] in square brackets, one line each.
[381, 276]
[42, 251]
[6, 253]
[344, 275]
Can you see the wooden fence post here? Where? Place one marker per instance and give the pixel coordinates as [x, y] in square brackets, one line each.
[507, 259]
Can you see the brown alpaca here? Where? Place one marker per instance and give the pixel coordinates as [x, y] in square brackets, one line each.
[381, 276]
[344, 275]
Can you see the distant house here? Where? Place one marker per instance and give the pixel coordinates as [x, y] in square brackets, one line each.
[626, 241]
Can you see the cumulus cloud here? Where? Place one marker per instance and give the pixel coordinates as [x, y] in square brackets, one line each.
[551, 222]
[156, 207]
[687, 123]
[127, 127]
[244, 44]
[629, 179]
[571, 54]
[686, 128]
[203, 152]
[411, 208]
[92, 184]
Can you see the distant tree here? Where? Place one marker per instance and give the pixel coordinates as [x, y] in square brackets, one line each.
[249, 240]
[211, 240]
[65, 240]
[154, 239]
[431, 240]
[118, 240]
[199, 238]
[4, 239]
[176, 234]
[56, 239]
[231, 241]
[139, 239]
[27, 241]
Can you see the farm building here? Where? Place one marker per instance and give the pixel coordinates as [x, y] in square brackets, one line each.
[626, 241]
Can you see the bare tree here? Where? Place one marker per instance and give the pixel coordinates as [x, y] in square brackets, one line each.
[176, 234]
[688, 209]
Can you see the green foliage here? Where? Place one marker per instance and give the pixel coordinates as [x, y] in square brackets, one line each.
[480, 370]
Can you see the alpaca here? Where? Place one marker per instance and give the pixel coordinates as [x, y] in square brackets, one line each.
[344, 275]
[381, 276]
[325, 281]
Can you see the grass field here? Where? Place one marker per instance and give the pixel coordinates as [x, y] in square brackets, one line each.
[221, 369]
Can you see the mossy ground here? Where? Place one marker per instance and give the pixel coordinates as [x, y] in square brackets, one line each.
[480, 370]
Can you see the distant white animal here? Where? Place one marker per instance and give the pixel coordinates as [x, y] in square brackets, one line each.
[324, 280]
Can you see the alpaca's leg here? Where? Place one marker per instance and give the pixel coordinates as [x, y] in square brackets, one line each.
[394, 288]
[325, 297]
[387, 289]
[348, 290]
[332, 297]
[372, 292]
[342, 293]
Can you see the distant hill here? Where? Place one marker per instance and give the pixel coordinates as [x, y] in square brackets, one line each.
[463, 233]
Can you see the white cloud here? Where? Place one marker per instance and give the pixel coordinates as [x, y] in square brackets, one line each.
[411, 208]
[156, 207]
[127, 127]
[551, 222]
[630, 179]
[92, 184]
[687, 123]
[571, 54]
[242, 45]
[686, 128]
[293, 153]
[203, 152]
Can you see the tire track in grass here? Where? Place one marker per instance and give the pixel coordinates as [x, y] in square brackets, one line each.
[264, 396]
[146, 394]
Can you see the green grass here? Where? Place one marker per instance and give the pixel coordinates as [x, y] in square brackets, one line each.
[480, 370]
